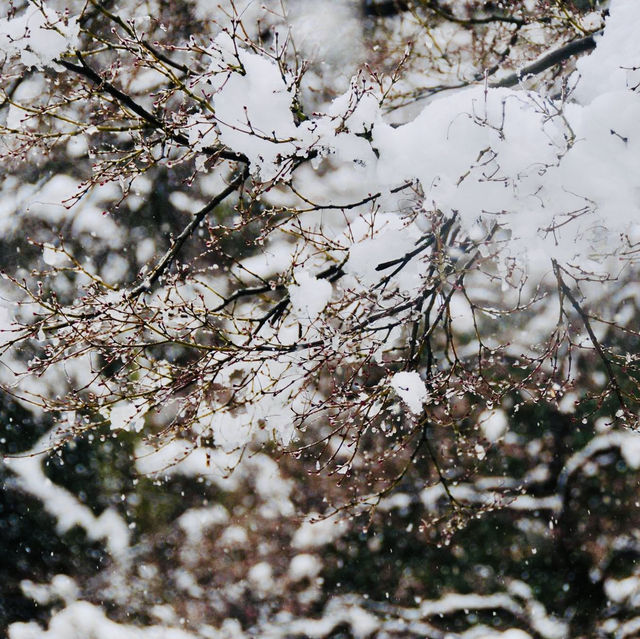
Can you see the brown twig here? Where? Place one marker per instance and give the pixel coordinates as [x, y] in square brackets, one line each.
[566, 292]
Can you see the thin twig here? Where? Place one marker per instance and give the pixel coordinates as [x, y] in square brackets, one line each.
[566, 291]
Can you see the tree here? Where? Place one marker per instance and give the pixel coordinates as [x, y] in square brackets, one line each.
[378, 274]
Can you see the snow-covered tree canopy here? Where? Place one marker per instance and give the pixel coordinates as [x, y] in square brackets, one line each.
[333, 266]
[370, 234]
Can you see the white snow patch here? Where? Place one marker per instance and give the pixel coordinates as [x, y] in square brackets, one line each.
[309, 296]
[617, 590]
[411, 390]
[494, 424]
[65, 507]
[261, 577]
[125, 415]
[315, 532]
[82, 619]
[54, 256]
[304, 566]
[61, 587]
[234, 537]
[38, 36]
[196, 521]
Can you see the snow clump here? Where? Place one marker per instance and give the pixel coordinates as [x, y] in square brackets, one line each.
[38, 36]
[411, 390]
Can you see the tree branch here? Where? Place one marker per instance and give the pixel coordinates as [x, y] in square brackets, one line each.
[169, 257]
[575, 47]
[85, 70]
[566, 291]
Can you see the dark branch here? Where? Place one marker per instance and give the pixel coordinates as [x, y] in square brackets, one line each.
[566, 292]
[169, 257]
[389, 8]
[85, 70]
[165, 262]
[575, 47]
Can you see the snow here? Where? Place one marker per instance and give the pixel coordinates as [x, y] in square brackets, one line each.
[38, 36]
[253, 110]
[201, 131]
[630, 449]
[231, 432]
[513, 157]
[65, 507]
[309, 296]
[304, 566]
[53, 256]
[411, 390]
[61, 587]
[315, 532]
[453, 602]
[478, 494]
[180, 457]
[627, 442]
[272, 488]
[234, 537]
[261, 576]
[196, 521]
[83, 619]
[363, 623]
[327, 37]
[52, 201]
[618, 590]
[494, 424]
[532, 163]
[611, 69]
[628, 629]
[547, 626]
[384, 238]
[145, 250]
[338, 611]
[125, 415]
